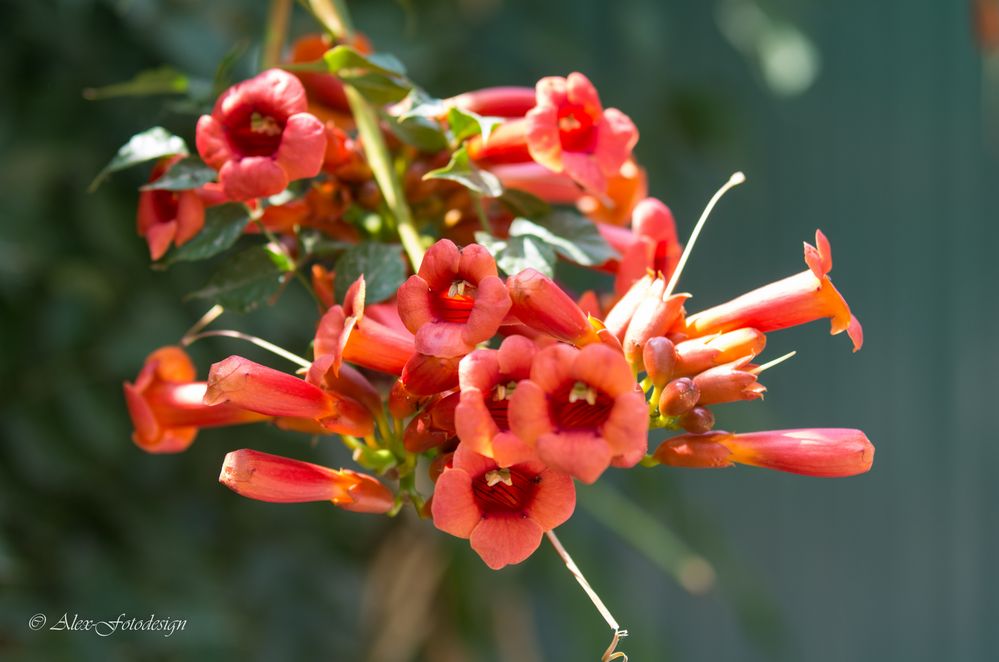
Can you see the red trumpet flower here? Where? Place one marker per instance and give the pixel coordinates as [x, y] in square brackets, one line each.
[581, 410]
[541, 304]
[821, 452]
[488, 379]
[268, 391]
[277, 479]
[502, 511]
[166, 406]
[455, 301]
[799, 299]
[260, 137]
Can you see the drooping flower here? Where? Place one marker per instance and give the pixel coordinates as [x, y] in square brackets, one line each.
[277, 479]
[455, 301]
[798, 299]
[258, 388]
[260, 137]
[168, 217]
[542, 305]
[346, 333]
[165, 404]
[821, 452]
[488, 379]
[502, 511]
[581, 410]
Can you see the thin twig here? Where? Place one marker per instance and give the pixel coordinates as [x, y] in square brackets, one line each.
[259, 342]
[277, 27]
[610, 653]
[213, 314]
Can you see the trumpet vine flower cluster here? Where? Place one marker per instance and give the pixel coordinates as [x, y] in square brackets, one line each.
[466, 380]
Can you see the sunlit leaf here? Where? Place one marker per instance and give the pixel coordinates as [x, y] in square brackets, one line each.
[163, 80]
[151, 144]
[518, 253]
[461, 169]
[466, 124]
[571, 235]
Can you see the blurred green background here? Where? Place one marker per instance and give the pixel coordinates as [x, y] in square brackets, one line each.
[869, 120]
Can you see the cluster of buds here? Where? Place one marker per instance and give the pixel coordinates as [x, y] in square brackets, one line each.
[476, 395]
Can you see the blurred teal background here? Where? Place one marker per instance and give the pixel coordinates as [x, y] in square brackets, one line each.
[869, 120]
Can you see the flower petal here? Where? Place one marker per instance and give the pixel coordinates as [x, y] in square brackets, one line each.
[505, 539]
[581, 454]
[554, 501]
[252, 177]
[453, 506]
[303, 146]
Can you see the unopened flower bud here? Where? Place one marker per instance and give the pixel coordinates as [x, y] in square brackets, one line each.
[729, 383]
[659, 358]
[698, 420]
[401, 403]
[678, 397]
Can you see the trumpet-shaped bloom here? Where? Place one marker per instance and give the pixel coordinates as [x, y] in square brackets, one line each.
[822, 452]
[168, 217]
[581, 410]
[488, 379]
[166, 406]
[260, 137]
[268, 391]
[799, 299]
[502, 511]
[425, 375]
[651, 245]
[455, 301]
[277, 479]
[570, 131]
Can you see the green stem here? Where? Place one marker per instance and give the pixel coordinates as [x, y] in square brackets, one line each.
[380, 161]
[334, 16]
[277, 27]
[480, 208]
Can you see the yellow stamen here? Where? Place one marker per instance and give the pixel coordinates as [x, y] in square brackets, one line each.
[583, 391]
[499, 476]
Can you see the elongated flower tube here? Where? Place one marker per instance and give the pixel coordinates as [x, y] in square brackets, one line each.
[618, 201]
[653, 317]
[426, 375]
[488, 379]
[260, 137]
[699, 354]
[455, 301]
[256, 387]
[502, 511]
[510, 101]
[620, 315]
[651, 246]
[555, 188]
[165, 404]
[581, 410]
[277, 479]
[799, 299]
[541, 304]
[168, 217]
[821, 452]
[345, 333]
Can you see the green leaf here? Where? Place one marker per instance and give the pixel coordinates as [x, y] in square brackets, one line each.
[465, 124]
[421, 132]
[460, 169]
[246, 280]
[164, 80]
[571, 235]
[317, 244]
[224, 225]
[186, 174]
[420, 104]
[151, 144]
[522, 203]
[383, 266]
[344, 60]
[519, 253]
[377, 89]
